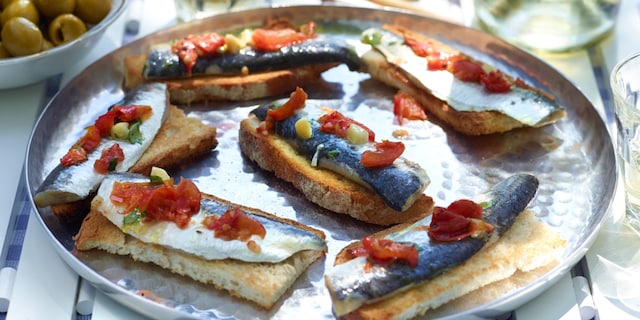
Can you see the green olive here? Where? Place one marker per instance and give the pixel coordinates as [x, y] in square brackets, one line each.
[66, 27]
[92, 11]
[46, 45]
[21, 8]
[21, 37]
[54, 8]
[3, 52]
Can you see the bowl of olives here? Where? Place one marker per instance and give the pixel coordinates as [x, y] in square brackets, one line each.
[41, 38]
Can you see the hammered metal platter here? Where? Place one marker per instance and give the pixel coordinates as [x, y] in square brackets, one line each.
[573, 159]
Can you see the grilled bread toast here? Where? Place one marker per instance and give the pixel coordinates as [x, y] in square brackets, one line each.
[262, 283]
[470, 107]
[323, 187]
[185, 91]
[527, 246]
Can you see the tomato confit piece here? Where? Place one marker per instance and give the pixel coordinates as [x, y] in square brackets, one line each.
[276, 39]
[287, 109]
[234, 225]
[385, 251]
[385, 153]
[87, 143]
[336, 123]
[406, 107]
[192, 47]
[461, 219]
[102, 128]
[159, 202]
[109, 159]
[462, 67]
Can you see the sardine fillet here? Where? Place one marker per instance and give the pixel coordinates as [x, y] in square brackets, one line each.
[323, 187]
[233, 88]
[466, 122]
[180, 140]
[262, 283]
[528, 245]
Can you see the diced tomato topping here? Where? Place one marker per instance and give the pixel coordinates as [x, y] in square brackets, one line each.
[385, 251]
[208, 43]
[336, 123]
[465, 70]
[192, 47]
[461, 67]
[109, 159]
[121, 113]
[74, 155]
[78, 152]
[420, 48]
[132, 112]
[90, 140]
[102, 127]
[461, 219]
[495, 81]
[466, 208]
[105, 122]
[385, 154]
[275, 39]
[437, 62]
[163, 202]
[406, 107]
[296, 101]
[234, 225]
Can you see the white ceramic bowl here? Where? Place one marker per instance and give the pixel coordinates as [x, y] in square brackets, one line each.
[20, 71]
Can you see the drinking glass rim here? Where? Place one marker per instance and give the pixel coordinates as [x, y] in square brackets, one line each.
[614, 72]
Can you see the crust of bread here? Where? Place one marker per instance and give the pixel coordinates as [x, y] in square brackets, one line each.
[469, 123]
[323, 187]
[261, 283]
[234, 88]
[180, 140]
[527, 246]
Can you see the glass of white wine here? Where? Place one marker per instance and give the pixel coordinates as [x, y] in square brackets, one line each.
[625, 85]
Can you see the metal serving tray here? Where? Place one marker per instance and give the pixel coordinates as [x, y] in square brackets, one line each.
[573, 159]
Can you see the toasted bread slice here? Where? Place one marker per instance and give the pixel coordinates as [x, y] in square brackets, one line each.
[323, 187]
[466, 122]
[234, 88]
[180, 140]
[262, 283]
[527, 246]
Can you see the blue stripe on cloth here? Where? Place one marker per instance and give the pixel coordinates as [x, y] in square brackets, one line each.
[17, 226]
[16, 229]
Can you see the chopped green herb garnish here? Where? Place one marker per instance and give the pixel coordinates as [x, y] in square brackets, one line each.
[155, 179]
[333, 154]
[113, 162]
[373, 39]
[135, 136]
[133, 217]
